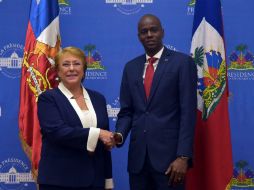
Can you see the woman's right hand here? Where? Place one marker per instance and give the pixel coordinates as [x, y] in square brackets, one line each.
[107, 137]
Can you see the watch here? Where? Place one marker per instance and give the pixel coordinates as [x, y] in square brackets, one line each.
[184, 158]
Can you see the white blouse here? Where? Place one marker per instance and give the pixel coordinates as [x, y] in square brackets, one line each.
[87, 117]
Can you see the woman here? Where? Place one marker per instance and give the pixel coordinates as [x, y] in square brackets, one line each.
[74, 126]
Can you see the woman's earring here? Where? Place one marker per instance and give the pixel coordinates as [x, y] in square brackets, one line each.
[58, 79]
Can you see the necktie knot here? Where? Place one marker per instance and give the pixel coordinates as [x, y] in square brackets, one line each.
[152, 60]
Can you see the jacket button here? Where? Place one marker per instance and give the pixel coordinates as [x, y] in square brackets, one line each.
[144, 131]
[147, 112]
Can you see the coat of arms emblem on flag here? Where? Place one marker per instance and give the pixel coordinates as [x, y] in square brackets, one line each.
[210, 60]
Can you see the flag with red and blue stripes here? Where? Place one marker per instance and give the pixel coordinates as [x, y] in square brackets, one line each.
[212, 161]
[38, 74]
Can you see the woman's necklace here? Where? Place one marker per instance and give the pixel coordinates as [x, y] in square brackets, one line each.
[76, 97]
[79, 94]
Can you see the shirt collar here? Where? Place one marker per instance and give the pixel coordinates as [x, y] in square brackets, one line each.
[157, 55]
[68, 94]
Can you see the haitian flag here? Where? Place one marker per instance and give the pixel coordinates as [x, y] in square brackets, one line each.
[42, 44]
[212, 162]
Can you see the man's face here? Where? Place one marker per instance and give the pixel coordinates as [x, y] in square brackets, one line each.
[150, 34]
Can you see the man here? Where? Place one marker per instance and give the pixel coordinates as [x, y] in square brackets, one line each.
[158, 106]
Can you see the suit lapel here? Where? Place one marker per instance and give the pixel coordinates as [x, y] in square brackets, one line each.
[95, 102]
[160, 70]
[140, 83]
[71, 111]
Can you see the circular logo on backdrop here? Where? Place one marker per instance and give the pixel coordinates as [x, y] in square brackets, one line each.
[11, 56]
[129, 7]
[14, 174]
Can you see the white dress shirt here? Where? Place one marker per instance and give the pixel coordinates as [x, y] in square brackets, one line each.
[155, 64]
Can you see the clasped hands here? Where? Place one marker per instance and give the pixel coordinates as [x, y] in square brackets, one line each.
[109, 138]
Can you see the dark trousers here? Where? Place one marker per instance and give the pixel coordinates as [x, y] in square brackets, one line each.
[53, 187]
[150, 179]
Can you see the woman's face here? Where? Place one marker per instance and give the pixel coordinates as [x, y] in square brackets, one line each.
[70, 70]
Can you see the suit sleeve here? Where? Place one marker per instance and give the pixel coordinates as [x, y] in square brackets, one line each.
[108, 170]
[188, 107]
[54, 129]
[108, 160]
[124, 117]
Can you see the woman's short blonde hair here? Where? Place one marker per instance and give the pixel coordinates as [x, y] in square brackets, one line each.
[73, 51]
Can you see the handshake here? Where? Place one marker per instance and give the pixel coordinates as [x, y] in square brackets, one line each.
[110, 139]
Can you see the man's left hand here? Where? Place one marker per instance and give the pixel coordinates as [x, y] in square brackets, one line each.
[177, 171]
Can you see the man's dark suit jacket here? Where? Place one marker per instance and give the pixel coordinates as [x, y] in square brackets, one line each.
[65, 160]
[163, 125]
